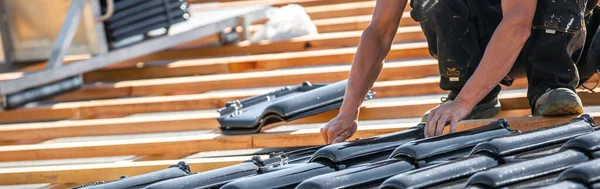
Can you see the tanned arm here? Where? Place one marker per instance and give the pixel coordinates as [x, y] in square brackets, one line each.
[502, 51]
[375, 44]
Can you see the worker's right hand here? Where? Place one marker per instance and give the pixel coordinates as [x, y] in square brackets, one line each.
[339, 129]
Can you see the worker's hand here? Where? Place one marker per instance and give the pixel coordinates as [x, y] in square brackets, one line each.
[449, 111]
[339, 129]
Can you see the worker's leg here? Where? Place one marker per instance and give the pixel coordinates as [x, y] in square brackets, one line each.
[457, 33]
[588, 61]
[551, 71]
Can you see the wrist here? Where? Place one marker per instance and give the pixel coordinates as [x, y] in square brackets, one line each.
[348, 113]
[465, 101]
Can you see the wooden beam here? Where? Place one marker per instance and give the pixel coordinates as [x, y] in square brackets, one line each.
[208, 142]
[275, 3]
[349, 23]
[387, 86]
[233, 64]
[49, 130]
[112, 171]
[341, 10]
[322, 41]
[31, 114]
[90, 109]
[354, 23]
[405, 70]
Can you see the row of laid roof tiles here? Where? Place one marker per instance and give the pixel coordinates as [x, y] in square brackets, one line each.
[492, 156]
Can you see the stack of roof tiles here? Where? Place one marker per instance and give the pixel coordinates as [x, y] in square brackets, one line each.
[492, 156]
[141, 118]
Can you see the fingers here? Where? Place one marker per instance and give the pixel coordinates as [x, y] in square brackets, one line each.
[453, 124]
[324, 134]
[441, 123]
[431, 124]
[342, 137]
[332, 134]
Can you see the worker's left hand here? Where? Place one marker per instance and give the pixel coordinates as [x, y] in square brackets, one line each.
[449, 111]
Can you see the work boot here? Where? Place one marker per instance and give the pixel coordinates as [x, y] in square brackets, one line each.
[557, 102]
[483, 110]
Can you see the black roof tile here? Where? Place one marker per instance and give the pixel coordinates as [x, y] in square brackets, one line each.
[358, 177]
[287, 104]
[532, 154]
[519, 142]
[514, 173]
[215, 177]
[301, 155]
[452, 145]
[438, 174]
[491, 156]
[536, 182]
[589, 142]
[284, 178]
[565, 185]
[587, 173]
[139, 181]
[364, 147]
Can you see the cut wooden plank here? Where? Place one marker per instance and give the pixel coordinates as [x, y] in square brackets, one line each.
[404, 70]
[369, 111]
[44, 131]
[236, 64]
[354, 23]
[26, 114]
[112, 171]
[121, 107]
[322, 41]
[275, 3]
[89, 109]
[349, 23]
[341, 10]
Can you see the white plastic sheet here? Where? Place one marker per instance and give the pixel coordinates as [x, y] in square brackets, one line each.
[284, 23]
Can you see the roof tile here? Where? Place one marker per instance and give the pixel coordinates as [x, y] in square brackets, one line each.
[359, 177]
[451, 145]
[589, 142]
[519, 142]
[565, 185]
[514, 173]
[363, 147]
[587, 173]
[442, 173]
[286, 104]
[210, 178]
[175, 171]
[284, 178]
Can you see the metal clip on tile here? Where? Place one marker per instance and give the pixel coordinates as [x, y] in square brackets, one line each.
[175, 171]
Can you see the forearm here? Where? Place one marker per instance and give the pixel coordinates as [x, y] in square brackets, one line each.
[498, 59]
[366, 67]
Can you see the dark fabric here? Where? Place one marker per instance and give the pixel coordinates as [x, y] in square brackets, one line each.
[458, 31]
[589, 61]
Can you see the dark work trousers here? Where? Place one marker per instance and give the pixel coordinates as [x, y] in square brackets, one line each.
[458, 32]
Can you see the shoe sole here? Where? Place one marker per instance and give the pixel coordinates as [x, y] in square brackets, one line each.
[560, 102]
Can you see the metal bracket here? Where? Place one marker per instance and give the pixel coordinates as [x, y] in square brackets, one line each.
[7, 40]
[195, 28]
[100, 34]
[244, 23]
[67, 32]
